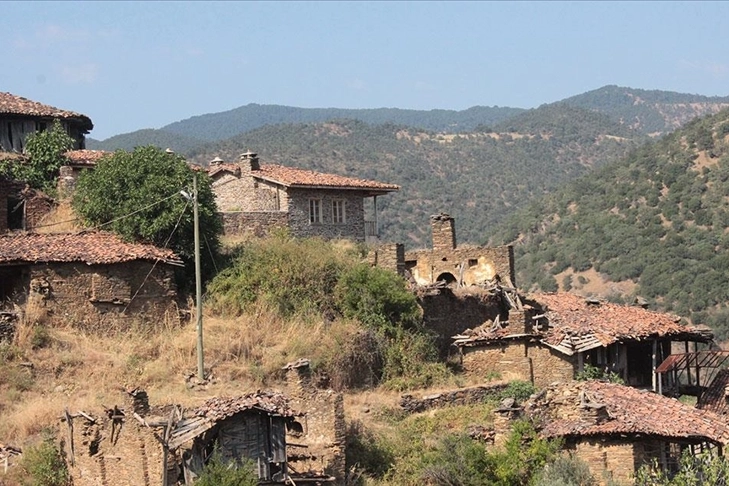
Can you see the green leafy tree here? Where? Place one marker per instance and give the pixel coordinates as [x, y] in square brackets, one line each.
[136, 195]
[46, 153]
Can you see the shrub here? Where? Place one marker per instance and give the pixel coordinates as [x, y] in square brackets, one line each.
[590, 372]
[566, 471]
[218, 472]
[365, 454]
[44, 465]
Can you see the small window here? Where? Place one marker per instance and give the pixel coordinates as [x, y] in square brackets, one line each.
[338, 213]
[16, 213]
[314, 211]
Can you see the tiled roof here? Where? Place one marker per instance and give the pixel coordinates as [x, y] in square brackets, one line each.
[12, 157]
[218, 168]
[289, 176]
[85, 157]
[91, 248]
[595, 408]
[217, 409]
[11, 104]
[574, 324]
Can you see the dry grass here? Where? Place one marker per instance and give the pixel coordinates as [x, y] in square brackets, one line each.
[85, 371]
[61, 219]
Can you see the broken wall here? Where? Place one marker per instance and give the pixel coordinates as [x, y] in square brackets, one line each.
[518, 360]
[324, 427]
[104, 298]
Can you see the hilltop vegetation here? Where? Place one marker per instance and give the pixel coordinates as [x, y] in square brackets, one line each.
[657, 218]
[477, 177]
[647, 112]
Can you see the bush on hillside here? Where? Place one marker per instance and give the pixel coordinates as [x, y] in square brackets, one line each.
[44, 465]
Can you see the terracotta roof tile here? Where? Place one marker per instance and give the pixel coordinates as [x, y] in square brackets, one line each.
[289, 176]
[576, 325]
[85, 157]
[11, 104]
[219, 408]
[91, 248]
[218, 168]
[628, 411]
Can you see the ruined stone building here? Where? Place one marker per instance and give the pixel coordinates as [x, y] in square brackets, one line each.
[617, 429]
[552, 336]
[93, 280]
[446, 262]
[21, 207]
[255, 198]
[20, 117]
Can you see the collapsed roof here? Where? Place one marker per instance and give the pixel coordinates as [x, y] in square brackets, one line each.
[570, 324]
[594, 408]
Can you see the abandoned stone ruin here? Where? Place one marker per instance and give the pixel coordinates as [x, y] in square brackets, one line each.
[292, 436]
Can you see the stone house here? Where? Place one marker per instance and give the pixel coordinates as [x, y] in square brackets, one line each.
[617, 429]
[552, 336]
[254, 198]
[20, 117]
[93, 279]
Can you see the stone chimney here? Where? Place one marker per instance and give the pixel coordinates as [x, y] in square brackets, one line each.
[249, 161]
[444, 232]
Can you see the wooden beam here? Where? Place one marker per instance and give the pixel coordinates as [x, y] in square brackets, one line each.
[654, 365]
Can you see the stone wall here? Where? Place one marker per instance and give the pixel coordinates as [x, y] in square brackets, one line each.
[244, 193]
[451, 312]
[518, 360]
[463, 396]
[113, 454]
[508, 359]
[298, 207]
[549, 365]
[103, 298]
[37, 205]
[390, 256]
[607, 458]
[324, 429]
[257, 224]
[472, 265]
[444, 232]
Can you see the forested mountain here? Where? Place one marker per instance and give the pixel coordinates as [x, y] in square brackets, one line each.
[477, 177]
[148, 136]
[226, 124]
[656, 221]
[648, 111]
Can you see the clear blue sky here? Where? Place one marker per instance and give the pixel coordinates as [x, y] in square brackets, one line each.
[132, 65]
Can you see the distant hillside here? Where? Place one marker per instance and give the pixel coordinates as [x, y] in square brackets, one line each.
[148, 136]
[653, 224]
[478, 177]
[650, 112]
[226, 124]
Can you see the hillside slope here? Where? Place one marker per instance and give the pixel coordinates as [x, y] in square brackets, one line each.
[219, 126]
[477, 177]
[648, 111]
[656, 219]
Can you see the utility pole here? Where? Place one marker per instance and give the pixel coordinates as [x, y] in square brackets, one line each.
[198, 284]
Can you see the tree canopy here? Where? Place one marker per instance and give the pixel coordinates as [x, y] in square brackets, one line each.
[136, 195]
[46, 151]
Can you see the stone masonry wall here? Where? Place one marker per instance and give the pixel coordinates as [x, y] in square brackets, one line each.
[130, 457]
[444, 233]
[608, 458]
[509, 360]
[478, 264]
[390, 256]
[353, 228]
[451, 312]
[102, 297]
[257, 224]
[324, 427]
[463, 396]
[549, 366]
[244, 193]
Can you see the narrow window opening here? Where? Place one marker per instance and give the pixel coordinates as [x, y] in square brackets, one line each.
[16, 213]
[314, 211]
